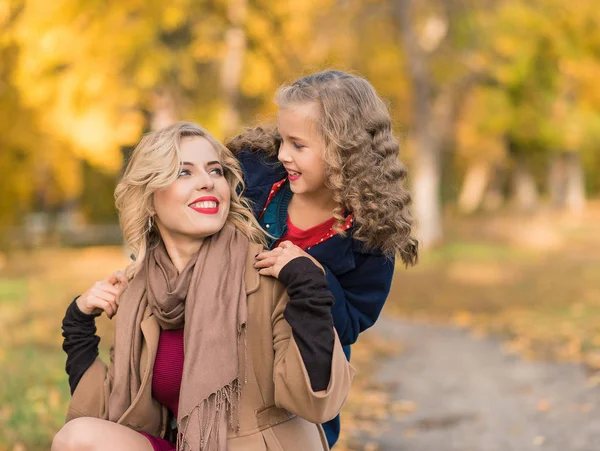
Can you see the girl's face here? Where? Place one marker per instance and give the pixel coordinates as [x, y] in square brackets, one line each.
[302, 148]
[196, 205]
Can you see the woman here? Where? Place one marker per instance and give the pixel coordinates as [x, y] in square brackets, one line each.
[254, 377]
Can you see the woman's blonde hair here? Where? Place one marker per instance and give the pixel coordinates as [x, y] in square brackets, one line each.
[155, 164]
[363, 170]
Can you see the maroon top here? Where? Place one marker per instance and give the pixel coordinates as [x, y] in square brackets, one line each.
[166, 378]
[168, 369]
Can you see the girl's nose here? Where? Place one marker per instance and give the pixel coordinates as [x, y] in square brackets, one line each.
[283, 154]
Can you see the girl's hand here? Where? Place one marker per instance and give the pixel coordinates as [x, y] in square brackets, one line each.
[103, 295]
[270, 263]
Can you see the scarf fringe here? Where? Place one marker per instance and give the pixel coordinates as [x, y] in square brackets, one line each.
[208, 411]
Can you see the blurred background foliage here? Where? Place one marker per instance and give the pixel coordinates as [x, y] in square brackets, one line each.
[496, 99]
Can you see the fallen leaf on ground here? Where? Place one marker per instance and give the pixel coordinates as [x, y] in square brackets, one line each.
[543, 405]
[539, 440]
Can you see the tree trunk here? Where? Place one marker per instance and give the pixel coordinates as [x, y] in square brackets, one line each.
[525, 189]
[426, 186]
[566, 183]
[557, 180]
[575, 184]
[164, 109]
[231, 70]
[474, 187]
[494, 196]
[427, 174]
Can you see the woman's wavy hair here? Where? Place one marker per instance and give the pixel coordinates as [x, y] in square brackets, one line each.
[361, 152]
[155, 164]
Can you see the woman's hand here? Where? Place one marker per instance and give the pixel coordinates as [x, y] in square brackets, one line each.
[270, 263]
[103, 295]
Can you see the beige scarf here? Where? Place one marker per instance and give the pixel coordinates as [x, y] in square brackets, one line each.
[209, 298]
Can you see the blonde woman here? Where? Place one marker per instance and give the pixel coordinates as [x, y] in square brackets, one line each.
[208, 354]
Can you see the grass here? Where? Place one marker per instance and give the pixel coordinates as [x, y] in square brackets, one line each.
[13, 290]
[34, 398]
[35, 289]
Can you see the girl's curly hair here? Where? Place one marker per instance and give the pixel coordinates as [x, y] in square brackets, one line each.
[363, 169]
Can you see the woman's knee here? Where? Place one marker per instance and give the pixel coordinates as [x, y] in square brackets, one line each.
[77, 434]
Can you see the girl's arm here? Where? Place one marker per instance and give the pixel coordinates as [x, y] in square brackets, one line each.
[311, 374]
[79, 324]
[359, 294]
[309, 314]
[86, 370]
[80, 342]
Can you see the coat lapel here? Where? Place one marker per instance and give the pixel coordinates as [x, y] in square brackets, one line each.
[144, 413]
[252, 277]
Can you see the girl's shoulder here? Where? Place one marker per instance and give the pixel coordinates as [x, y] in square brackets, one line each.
[361, 247]
[343, 254]
[259, 168]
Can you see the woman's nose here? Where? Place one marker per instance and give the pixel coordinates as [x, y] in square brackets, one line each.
[205, 181]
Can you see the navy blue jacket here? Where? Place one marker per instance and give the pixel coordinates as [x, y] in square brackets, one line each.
[359, 278]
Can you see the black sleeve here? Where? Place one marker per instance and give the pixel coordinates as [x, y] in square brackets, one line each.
[309, 314]
[80, 342]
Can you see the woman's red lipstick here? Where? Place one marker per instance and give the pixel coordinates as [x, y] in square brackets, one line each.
[205, 201]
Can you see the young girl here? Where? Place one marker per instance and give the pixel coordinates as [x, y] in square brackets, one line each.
[328, 181]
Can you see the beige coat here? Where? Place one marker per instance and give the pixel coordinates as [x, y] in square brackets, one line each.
[278, 410]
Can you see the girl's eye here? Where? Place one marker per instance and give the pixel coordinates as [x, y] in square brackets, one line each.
[217, 171]
[185, 172]
[296, 145]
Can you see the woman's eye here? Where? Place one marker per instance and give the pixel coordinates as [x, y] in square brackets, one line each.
[185, 172]
[217, 171]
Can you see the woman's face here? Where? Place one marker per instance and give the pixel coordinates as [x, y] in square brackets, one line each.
[196, 205]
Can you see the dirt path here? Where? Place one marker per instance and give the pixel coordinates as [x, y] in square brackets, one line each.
[471, 396]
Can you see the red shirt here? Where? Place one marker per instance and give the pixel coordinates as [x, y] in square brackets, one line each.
[308, 237]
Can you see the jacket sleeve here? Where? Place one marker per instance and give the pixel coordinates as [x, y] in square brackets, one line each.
[90, 398]
[89, 378]
[308, 312]
[359, 295]
[80, 342]
[293, 386]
